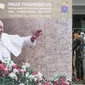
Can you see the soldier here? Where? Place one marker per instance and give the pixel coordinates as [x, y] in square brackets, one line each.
[78, 46]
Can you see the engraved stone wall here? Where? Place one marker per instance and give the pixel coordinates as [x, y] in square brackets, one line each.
[52, 53]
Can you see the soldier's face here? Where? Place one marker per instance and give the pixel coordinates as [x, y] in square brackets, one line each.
[75, 35]
[1, 28]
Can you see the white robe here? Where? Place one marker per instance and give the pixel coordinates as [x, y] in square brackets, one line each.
[12, 44]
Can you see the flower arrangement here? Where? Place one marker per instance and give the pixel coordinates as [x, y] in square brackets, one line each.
[61, 80]
[12, 74]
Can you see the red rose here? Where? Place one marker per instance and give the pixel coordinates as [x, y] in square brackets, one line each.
[38, 80]
[33, 73]
[45, 83]
[0, 62]
[6, 72]
[63, 83]
[20, 71]
[15, 66]
[2, 67]
[18, 79]
[62, 79]
[55, 83]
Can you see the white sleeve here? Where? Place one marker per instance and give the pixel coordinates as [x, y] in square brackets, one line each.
[27, 41]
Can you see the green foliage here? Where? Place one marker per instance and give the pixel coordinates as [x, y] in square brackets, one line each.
[6, 80]
[1, 73]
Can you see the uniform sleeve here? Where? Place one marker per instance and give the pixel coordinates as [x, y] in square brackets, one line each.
[75, 44]
[27, 41]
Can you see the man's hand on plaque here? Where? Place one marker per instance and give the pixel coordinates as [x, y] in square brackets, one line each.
[36, 35]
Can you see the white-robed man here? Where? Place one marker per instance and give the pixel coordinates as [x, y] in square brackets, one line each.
[14, 43]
